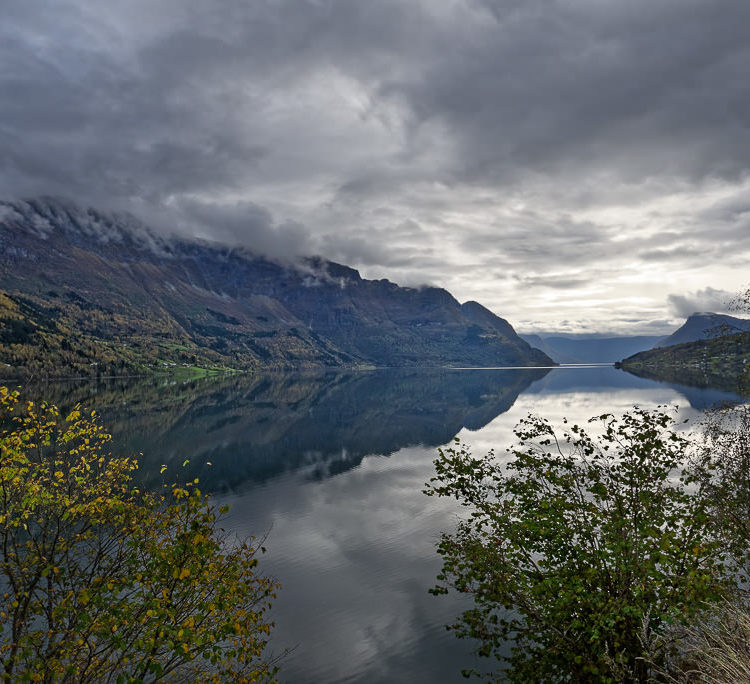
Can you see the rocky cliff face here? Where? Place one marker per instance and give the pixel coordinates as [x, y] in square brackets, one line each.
[84, 292]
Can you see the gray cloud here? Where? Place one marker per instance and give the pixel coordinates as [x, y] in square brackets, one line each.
[242, 224]
[675, 254]
[637, 89]
[551, 281]
[708, 299]
[432, 141]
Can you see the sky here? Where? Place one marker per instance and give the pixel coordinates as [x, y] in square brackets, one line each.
[574, 165]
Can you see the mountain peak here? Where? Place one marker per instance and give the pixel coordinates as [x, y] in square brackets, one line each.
[704, 325]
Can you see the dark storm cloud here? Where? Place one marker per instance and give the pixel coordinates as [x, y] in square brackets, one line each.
[85, 119]
[100, 104]
[364, 250]
[405, 244]
[515, 135]
[242, 224]
[635, 89]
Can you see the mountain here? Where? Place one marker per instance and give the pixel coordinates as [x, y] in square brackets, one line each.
[589, 348]
[84, 292]
[719, 362]
[703, 326]
[708, 350]
[540, 343]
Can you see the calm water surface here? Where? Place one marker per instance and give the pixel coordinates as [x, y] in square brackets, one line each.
[331, 466]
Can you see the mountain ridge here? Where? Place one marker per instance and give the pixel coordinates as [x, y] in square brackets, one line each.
[103, 293]
[703, 325]
[719, 362]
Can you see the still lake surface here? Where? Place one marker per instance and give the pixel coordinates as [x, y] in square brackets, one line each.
[331, 467]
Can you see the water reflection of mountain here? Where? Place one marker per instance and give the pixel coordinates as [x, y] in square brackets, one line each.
[700, 392]
[252, 428]
[702, 388]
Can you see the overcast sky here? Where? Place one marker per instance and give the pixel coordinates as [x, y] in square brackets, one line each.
[576, 165]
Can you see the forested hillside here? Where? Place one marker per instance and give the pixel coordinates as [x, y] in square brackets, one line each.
[86, 293]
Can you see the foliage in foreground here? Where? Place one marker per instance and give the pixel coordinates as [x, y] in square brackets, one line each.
[723, 467]
[102, 582]
[582, 550]
[715, 647]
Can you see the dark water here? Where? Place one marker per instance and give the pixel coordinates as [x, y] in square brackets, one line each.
[331, 466]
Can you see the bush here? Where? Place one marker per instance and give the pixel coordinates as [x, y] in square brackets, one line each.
[103, 582]
[715, 647]
[722, 464]
[581, 550]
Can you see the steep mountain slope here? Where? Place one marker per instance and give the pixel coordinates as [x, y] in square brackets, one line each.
[82, 292]
[540, 343]
[704, 326]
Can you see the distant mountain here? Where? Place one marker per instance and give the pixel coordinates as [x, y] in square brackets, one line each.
[89, 293]
[719, 362]
[703, 326]
[589, 348]
[540, 343]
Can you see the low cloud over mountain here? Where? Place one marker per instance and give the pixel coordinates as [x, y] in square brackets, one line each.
[529, 142]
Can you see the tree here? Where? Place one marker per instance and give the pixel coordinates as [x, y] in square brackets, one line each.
[722, 464]
[713, 647]
[103, 582]
[580, 550]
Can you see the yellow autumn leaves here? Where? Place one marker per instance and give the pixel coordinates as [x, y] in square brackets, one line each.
[107, 581]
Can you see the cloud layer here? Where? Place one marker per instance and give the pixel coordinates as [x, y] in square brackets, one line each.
[709, 299]
[569, 164]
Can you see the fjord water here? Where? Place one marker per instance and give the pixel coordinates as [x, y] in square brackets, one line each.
[331, 466]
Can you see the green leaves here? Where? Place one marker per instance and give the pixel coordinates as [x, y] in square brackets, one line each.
[593, 541]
